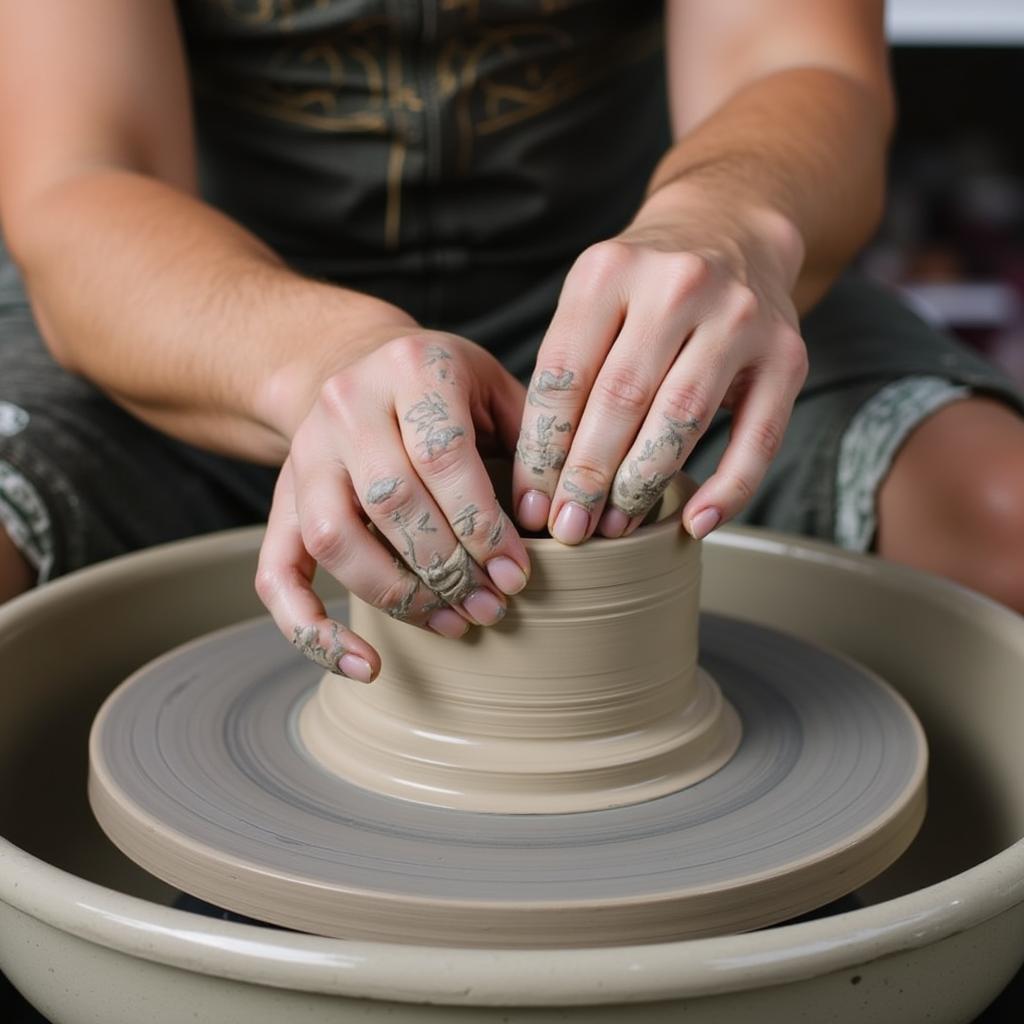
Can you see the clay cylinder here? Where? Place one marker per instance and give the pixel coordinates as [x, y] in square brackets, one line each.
[587, 695]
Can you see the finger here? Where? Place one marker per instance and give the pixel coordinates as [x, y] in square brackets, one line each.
[651, 338]
[679, 415]
[438, 434]
[759, 423]
[402, 509]
[504, 399]
[508, 405]
[499, 396]
[284, 582]
[724, 353]
[336, 536]
[589, 316]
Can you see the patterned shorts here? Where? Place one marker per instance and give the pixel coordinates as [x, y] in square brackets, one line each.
[82, 480]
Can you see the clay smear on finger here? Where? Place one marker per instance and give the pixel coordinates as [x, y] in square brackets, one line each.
[639, 483]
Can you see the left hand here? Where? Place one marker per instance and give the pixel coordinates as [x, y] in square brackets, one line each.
[686, 311]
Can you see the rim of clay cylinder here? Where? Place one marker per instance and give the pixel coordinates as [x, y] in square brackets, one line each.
[586, 696]
[485, 977]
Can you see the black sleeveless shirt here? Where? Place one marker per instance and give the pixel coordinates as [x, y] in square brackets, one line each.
[451, 156]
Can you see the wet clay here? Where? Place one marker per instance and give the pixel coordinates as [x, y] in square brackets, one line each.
[586, 696]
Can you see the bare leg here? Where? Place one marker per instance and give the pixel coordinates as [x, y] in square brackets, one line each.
[16, 575]
[953, 502]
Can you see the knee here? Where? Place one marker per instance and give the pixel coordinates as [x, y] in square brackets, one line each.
[953, 503]
[990, 515]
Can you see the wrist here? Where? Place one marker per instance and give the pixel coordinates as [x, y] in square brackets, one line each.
[744, 230]
[338, 327]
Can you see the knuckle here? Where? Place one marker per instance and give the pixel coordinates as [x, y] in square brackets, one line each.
[556, 375]
[395, 592]
[409, 358]
[408, 350]
[683, 273]
[325, 539]
[742, 489]
[688, 401]
[483, 532]
[493, 526]
[338, 393]
[624, 390]
[440, 458]
[744, 306]
[793, 354]
[271, 581]
[387, 506]
[540, 455]
[586, 469]
[601, 262]
[268, 583]
[766, 438]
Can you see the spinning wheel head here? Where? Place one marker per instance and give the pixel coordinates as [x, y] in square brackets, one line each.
[610, 790]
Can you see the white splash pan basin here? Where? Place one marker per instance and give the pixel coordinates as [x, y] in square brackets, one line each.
[87, 937]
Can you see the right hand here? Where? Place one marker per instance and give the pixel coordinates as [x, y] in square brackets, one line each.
[393, 441]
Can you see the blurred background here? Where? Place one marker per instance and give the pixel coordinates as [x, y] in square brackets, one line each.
[952, 241]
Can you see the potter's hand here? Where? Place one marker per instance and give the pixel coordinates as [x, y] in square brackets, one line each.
[391, 442]
[686, 311]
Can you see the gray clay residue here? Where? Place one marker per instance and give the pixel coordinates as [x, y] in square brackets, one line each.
[307, 640]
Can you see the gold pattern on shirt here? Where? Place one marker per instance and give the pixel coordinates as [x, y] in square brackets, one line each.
[523, 89]
[491, 77]
[351, 94]
[471, 7]
[267, 12]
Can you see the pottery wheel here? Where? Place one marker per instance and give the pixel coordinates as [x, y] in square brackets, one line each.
[195, 776]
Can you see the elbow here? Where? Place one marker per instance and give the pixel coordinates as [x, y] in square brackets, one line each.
[881, 100]
[888, 114]
[871, 205]
[24, 239]
[61, 352]
[882, 96]
[875, 197]
[20, 227]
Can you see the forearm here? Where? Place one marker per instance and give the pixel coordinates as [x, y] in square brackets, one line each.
[797, 157]
[183, 316]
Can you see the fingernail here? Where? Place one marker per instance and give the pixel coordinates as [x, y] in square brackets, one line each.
[613, 523]
[533, 510]
[447, 623]
[704, 522]
[571, 524]
[507, 576]
[484, 607]
[355, 667]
